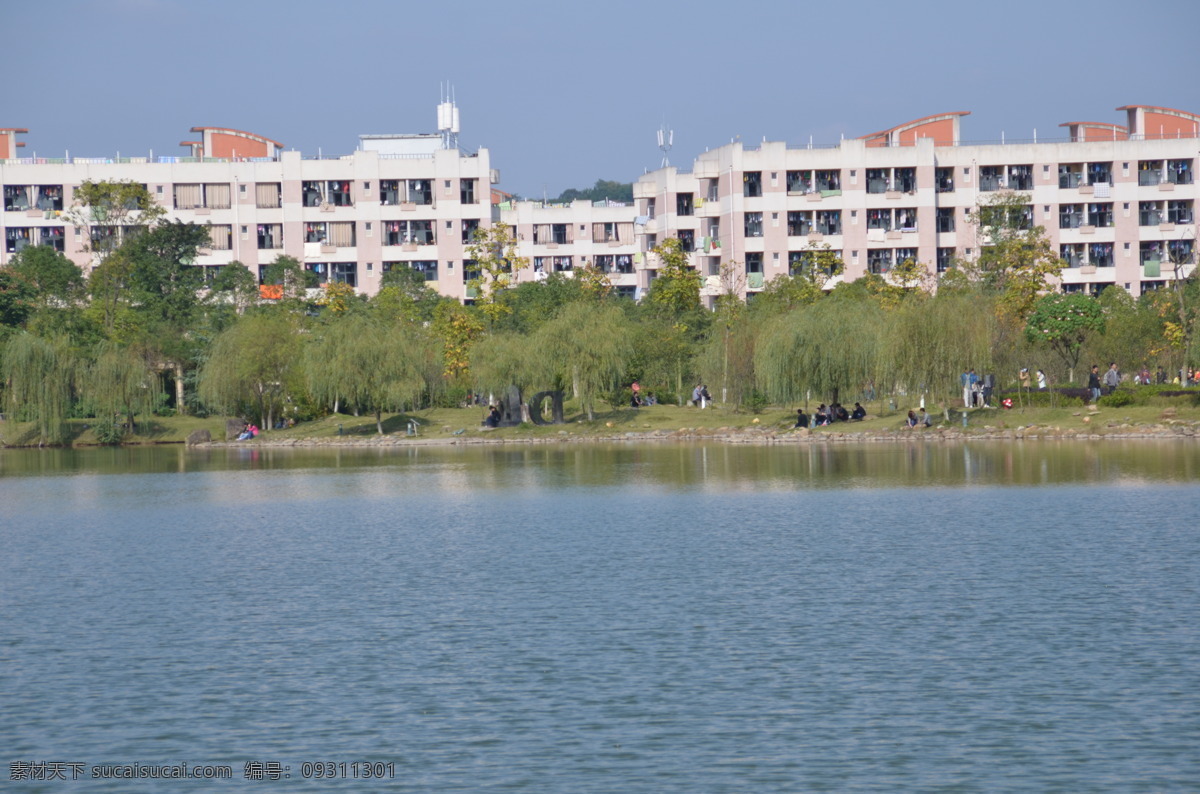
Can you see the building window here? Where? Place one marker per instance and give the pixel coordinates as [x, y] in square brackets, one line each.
[344, 273]
[944, 177]
[419, 191]
[268, 195]
[1100, 215]
[754, 262]
[1150, 252]
[1149, 213]
[1180, 211]
[270, 236]
[687, 240]
[338, 193]
[312, 194]
[427, 268]
[1070, 175]
[1071, 253]
[1020, 177]
[683, 204]
[879, 219]
[752, 184]
[799, 224]
[466, 191]
[829, 181]
[945, 259]
[1180, 252]
[1070, 216]
[829, 221]
[879, 260]
[799, 182]
[754, 224]
[18, 238]
[1101, 254]
[469, 227]
[991, 177]
[316, 232]
[877, 180]
[1099, 173]
[1179, 172]
[408, 233]
[945, 219]
[389, 192]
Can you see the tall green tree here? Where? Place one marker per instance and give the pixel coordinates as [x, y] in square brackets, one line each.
[676, 288]
[235, 286]
[587, 346]
[106, 212]
[57, 280]
[826, 349]
[119, 383]
[252, 364]
[494, 253]
[374, 365]
[41, 375]
[1063, 323]
[1016, 259]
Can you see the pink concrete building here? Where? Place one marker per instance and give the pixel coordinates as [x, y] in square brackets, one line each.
[397, 201]
[1117, 201]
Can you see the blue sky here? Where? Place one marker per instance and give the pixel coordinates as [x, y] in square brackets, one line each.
[564, 93]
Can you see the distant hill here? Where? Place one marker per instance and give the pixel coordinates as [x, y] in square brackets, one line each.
[603, 189]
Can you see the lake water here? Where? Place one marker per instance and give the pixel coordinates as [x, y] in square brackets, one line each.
[651, 618]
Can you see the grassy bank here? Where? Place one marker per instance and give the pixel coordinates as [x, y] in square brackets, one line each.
[449, 424]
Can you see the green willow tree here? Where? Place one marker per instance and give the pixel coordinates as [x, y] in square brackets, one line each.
[824, 349]
[932, 339]
[587, 346]
[42, 375]
[253, 363]
[373, 365]
[119, 383]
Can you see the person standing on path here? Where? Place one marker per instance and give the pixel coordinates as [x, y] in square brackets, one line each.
[1094, 382]
[968, 380]
[1112, 378]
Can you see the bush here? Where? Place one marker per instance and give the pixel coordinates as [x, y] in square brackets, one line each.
[756, 402]
[451, 397]
[1119, 399]
[108, 432]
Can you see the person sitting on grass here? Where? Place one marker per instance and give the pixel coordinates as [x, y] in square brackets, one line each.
[801, 418]
[859, 413]
[912, 420]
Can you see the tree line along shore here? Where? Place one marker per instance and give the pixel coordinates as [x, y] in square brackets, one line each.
[145, 343]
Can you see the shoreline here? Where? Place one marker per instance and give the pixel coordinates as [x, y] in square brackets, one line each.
[748, 436]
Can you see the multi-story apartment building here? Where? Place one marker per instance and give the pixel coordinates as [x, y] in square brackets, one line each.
[1117, 202]
[397, 201]
[565, 237]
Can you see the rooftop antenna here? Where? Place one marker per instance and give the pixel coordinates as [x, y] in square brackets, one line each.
[447, 117]
[666, 139]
